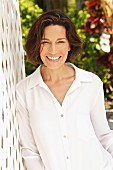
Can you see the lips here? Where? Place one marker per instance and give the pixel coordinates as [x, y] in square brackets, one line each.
[53, 58]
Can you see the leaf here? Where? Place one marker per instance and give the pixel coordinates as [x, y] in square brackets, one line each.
[90, 3]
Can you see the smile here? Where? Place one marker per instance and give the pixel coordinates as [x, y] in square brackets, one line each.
[53, 58]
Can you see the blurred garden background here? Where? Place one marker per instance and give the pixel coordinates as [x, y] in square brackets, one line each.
[93, 20]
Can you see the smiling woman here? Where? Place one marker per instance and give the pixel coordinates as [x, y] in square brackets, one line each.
[36, 35]
[54, 49]
[60, 108]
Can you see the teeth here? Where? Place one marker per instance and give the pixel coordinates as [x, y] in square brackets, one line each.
[53, 58]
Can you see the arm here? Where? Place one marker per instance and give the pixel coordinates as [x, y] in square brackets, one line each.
[100, 123]
[29, 149]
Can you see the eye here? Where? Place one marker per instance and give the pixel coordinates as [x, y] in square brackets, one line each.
[44, 42]
[61, 41]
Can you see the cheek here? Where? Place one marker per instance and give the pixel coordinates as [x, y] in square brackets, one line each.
[41, 49]
[66, 49]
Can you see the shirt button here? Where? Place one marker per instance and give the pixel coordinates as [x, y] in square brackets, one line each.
[67, 157]
[62, 115]
[64, 136]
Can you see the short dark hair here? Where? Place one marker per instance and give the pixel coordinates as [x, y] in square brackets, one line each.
[53, 17]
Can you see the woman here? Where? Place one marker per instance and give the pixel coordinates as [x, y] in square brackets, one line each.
[60, 108]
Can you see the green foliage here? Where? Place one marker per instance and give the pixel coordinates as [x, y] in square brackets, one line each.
[80, 18]
[29, 11]
[87, 60]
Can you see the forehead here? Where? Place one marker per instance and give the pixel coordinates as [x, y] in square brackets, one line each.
[54, 31]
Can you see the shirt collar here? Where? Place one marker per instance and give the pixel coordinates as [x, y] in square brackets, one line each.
[81, 76]
[35, 78]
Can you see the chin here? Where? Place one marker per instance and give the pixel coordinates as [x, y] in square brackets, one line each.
[53, 67]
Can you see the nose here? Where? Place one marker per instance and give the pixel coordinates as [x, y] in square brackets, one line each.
[52, 49]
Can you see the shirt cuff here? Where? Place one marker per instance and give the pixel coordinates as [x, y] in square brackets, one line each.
[28, 153]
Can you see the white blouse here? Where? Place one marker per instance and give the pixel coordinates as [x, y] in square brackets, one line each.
[74, 136]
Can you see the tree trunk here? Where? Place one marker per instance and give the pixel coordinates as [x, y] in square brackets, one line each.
[58, 4]
[47, 5]
[66, 5]
[78, 4]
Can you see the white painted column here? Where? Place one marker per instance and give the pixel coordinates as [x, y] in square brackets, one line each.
[11, 71]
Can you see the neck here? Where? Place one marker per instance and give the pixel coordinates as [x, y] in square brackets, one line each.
[55, 75]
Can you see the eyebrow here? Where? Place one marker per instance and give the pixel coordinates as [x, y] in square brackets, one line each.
[57, 39]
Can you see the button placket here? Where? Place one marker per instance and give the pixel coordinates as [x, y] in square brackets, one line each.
[65, 138]
[61, 110]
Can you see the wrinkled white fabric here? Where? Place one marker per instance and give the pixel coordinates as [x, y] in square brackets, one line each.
[74, 136]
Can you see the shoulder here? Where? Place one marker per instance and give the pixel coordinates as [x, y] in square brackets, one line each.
[87, 76]
[95, 78]
[24, 84]
[90, 81]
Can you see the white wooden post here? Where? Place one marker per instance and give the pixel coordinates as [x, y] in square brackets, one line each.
[11, 71]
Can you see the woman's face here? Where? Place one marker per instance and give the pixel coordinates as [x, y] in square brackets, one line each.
[54, 46]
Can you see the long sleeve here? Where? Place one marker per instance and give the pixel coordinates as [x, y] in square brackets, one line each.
[100, 123]
[29, 149]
